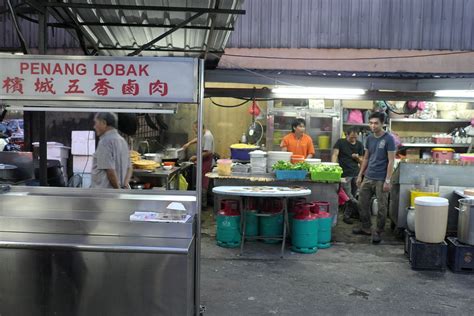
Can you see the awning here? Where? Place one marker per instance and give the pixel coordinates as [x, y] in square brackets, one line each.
[192, 28]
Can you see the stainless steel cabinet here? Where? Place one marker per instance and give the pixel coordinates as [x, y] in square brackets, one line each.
[323, 126]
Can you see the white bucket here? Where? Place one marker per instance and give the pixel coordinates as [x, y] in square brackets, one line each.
[431, 218]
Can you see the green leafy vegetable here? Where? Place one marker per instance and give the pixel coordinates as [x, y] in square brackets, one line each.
[326, 168]
[286, 165]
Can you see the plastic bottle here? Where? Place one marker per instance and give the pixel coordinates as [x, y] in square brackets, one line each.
[243, 139]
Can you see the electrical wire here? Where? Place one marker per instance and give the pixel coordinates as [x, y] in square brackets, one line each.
[349, 59]
[229, 106]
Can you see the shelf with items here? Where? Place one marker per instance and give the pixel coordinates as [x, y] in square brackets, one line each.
[433, 145]
[411, 120]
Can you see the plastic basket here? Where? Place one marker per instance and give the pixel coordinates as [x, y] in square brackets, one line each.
[326, 176]
[291, 174]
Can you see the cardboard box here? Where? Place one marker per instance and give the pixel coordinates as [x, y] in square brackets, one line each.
[358, 104]
[82, 164]
[82, 142]
[55, 151]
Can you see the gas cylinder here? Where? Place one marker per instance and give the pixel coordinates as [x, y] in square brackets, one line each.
[228, 224]
[324, 230]
[271, 225]
[322, 206]
[304, 231]
[251, 218]
[295, 209]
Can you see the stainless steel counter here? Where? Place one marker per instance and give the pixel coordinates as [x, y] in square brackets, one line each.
[451, 177]
[74, 252]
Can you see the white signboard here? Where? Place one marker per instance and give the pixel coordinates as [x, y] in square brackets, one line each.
[78, 78]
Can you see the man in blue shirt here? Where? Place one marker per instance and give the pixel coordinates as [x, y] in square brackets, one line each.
[377, 166]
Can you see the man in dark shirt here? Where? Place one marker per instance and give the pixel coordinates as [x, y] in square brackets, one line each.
[377, 166]
[348, 153]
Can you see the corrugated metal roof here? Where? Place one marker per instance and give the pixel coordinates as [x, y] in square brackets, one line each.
[379, 24]
[124, 39]
[58, 37]
[209, 31]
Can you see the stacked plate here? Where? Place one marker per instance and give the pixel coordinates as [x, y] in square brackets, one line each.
[275, 156]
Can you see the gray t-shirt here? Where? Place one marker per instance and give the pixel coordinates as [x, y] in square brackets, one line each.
[112, 153]
[378, 148]
[208, 141]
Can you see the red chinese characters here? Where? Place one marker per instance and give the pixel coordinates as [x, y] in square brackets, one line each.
[130, 88]
[12, 85]
[73, 87]
[44, 85]
[158, 87]
[102, 87]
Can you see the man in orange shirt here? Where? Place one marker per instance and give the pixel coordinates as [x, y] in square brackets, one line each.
[297, 141]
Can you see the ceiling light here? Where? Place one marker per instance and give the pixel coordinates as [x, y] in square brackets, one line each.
[312, 92]
[455, 93]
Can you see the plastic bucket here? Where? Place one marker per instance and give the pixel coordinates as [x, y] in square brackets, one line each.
[224, 167]
[431, 219]
[323, 142]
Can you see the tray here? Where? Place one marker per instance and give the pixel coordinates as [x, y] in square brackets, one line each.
[326, 176]
[291, 174]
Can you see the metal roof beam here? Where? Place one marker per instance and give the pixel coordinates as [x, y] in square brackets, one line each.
[151, 25]
[140, 8]
[162, 36]
[158, 49]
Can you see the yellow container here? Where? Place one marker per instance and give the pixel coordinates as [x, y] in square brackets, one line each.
[323, 142]
[414, 194]
[224, 167]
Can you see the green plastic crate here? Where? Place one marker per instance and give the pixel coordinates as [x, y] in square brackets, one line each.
[325, 176]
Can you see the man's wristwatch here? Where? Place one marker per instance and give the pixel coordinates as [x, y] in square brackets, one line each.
[387, 181]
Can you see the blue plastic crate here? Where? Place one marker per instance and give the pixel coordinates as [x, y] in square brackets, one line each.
[291, 174]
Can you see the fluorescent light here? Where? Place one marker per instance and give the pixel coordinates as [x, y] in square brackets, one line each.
[455, 93]
[313, 92]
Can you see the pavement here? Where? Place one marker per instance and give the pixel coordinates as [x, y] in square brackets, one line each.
[353, 277]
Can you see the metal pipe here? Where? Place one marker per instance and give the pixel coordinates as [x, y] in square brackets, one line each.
[43, 145]
[96, 6]
[24, 46]
[200, 111]
[162, 36]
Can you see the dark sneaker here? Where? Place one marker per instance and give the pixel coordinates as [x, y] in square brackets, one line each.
[348, 220]
[360, 231]
[376, 237]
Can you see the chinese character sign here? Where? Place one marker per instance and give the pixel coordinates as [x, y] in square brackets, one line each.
[124, 79]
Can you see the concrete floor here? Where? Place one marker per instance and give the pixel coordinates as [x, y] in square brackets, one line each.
[353, 277]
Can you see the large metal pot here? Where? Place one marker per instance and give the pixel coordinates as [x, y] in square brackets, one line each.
[466, 221]
[174, 153]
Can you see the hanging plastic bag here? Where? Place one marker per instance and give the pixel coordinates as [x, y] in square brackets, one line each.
[355, 116]
[182, 183]
[343, 197]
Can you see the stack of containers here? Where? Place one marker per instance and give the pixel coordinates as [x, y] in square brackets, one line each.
[258, 161]
[83, 149]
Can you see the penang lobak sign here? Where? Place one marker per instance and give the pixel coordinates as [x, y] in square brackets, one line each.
[124, 79]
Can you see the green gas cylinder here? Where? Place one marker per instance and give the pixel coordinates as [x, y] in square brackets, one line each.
[304, 231]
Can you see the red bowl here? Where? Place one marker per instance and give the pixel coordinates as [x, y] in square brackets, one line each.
[169, 163]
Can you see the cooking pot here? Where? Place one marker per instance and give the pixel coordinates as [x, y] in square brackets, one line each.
[8, 172]
[154, 157]
[466, 221]
[174, 153]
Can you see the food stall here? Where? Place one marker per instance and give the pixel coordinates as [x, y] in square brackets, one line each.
[100, 251]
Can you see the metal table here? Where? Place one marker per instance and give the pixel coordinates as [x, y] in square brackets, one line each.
[264, 192]
[170, 176]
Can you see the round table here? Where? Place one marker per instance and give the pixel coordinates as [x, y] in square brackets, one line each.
[263, 192]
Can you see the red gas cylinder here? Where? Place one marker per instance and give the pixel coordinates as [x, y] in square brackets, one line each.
[322, 206]
[293, 201]
[229, 208]
[305, 213]
[313, 208]
[272, 205]
[323, 215]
